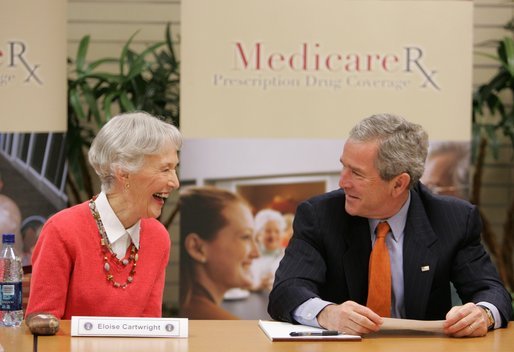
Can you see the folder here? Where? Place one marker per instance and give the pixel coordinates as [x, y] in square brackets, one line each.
[280, 331]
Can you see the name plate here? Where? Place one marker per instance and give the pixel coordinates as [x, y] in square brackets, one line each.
[133, 327]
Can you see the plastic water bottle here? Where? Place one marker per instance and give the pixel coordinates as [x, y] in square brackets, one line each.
[11, 274]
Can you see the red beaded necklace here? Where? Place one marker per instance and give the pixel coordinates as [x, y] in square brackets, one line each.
[106, 247]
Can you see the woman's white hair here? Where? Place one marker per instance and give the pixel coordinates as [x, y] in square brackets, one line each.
[265, 215]
[124, 142]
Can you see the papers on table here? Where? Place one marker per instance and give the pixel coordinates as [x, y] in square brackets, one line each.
[416, 325]
[279, 331]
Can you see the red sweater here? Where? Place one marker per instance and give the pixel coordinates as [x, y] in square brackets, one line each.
[68, 276]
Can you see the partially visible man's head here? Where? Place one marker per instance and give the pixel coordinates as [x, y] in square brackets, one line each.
[447, 169]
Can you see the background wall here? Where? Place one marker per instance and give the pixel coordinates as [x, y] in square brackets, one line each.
[111, 22]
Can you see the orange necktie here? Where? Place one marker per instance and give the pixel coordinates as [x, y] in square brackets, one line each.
[379, 287]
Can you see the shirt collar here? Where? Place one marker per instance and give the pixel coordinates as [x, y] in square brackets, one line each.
[396, 222]
[112, 225]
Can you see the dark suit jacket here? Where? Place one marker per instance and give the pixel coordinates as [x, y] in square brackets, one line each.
[329, 253]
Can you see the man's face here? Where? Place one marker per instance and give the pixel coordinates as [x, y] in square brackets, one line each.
[367, 195]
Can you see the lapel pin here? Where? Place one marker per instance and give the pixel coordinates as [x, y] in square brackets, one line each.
[425, 268]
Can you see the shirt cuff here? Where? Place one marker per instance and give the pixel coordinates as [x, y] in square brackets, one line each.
[494, 311]
[307, 312]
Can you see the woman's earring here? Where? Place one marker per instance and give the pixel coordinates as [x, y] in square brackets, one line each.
[127, 186]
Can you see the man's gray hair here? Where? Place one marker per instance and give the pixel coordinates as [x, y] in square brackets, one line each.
[402, 145]
[125, 140]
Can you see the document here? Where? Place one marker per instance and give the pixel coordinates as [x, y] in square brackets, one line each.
[279, 331]
[416, 325]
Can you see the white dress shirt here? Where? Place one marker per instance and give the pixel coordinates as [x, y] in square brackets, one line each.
[118, 236]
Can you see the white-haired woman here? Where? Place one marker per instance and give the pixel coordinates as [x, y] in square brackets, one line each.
[269, 227]
[107, 256]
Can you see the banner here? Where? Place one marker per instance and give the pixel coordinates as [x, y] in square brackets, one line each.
[311, 69]
[270, 90]
[33, 117]
[33, 66]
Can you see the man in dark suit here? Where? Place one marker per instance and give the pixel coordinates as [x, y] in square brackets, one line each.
[433, 240]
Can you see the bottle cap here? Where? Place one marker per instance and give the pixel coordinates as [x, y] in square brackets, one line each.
[8, 238]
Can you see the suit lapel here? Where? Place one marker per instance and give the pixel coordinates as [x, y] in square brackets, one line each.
[419, 259]
[356, 257]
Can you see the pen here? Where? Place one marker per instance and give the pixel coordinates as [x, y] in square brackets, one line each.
[317, 333]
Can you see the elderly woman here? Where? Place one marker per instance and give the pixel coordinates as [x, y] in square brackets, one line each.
[269, 227]
[217, 250]
[107, 256]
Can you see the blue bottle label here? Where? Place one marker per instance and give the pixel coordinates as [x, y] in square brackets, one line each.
[10, 296]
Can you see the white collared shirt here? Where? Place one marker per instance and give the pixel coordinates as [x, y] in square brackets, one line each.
[118, 236]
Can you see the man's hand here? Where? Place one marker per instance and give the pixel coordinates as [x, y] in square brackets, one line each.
[468, 320]
[349, 317]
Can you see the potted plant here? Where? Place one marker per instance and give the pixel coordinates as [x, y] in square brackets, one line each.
[493, 120]
[148, 80]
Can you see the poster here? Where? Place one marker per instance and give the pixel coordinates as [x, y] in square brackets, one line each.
[33, 117]
[270, 91]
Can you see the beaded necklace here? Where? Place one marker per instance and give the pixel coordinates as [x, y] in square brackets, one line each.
[105, 244]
